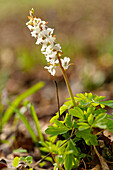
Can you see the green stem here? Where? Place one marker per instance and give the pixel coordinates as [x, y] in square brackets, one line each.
[66, 80]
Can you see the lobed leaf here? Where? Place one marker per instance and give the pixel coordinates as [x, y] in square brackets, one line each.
[77, 112]
[53, 131]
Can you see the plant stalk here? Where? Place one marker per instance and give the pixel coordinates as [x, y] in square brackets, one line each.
[66, 80]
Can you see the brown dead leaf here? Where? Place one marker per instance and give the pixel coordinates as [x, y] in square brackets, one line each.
[108, 134]
[97, 167]
[3, 163]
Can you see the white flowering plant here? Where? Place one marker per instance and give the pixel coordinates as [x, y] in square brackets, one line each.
[76, 128]
[50, 48]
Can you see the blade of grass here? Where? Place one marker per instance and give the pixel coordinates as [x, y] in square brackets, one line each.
[33, 113]
[28, 126]
[18, 100]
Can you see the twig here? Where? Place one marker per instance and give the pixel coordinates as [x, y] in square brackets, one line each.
[84, 164]
[37, 163]
[57, 97]
[103, 163]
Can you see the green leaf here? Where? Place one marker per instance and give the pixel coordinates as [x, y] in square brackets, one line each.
[89, 138]
[74, 124]
[28, 158]
[20, 150]
[62, 110]
[99, 111]
[59, 123]
[73, 147]
[90, 110]
[68, 158]
[53, 131]
[29, 162]
[23, 159]
[100, 125]
[69, 104]
[90, 119]
[107, 103]
[77, 112]
[100, 117]
[18, 100]
[83, 126]
[68, 120]
[28, 126]
[99, 121]
[33, 113]
[108, 123]
[41, 164]
[16, 162]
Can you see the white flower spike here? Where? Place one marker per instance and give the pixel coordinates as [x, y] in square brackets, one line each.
[50, 48]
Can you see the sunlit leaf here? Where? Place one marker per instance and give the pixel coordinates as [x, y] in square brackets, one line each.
[77, 112]
[16, 162]
[53, 131]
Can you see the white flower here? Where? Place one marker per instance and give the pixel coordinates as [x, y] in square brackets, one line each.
[39, 40]
[47, 32]
[51, 69]
[44, 46]
[57, 47]
[54, 62]
[51, 40]
[50, 48]
[30, 27]
[36, 21]
[65, 62]
[51, 56]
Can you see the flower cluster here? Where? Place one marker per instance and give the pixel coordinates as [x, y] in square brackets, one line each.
[50, 48]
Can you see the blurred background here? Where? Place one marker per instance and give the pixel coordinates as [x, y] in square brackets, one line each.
[85, 31]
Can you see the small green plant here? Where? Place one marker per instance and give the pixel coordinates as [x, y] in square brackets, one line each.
[78, 126]
[27, 160]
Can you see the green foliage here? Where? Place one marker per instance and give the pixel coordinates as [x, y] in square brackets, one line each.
[77, 125]
[18, 100]
[27, 160]
[13, 107]
[20, 150]
[26, 122]
[33, 113]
